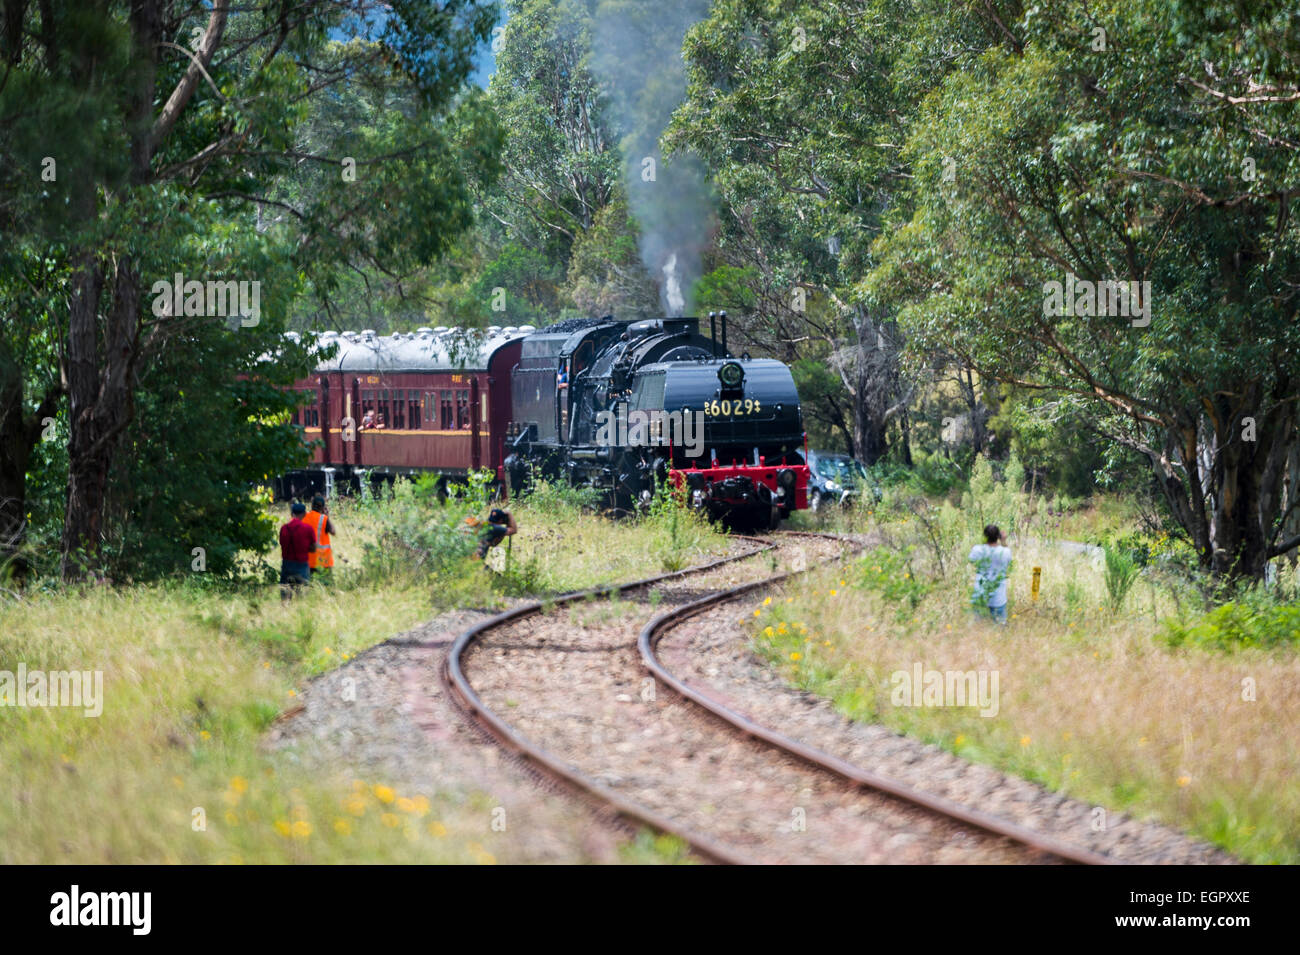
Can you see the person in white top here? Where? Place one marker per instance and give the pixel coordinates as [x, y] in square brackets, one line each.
[992, 561]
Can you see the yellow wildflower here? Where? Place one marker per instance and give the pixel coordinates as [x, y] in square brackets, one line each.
[384, 793]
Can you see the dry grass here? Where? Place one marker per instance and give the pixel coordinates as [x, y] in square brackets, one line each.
[1090, 704]
[193, 675]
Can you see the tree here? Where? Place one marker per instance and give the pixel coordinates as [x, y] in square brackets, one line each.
[172, 134]
[1145, 143]
[800, 108]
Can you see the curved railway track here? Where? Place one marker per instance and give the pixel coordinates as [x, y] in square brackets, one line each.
[677, 758]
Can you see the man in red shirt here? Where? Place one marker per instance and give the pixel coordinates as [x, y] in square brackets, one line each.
[297, 541]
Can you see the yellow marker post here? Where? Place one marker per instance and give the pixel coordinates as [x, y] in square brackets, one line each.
[1038, 571]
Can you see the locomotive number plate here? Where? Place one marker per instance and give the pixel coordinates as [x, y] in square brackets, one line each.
[730, 408]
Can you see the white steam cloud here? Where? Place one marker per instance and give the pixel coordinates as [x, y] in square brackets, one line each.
[637, 58]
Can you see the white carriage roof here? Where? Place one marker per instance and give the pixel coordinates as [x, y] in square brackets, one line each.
[426, 349]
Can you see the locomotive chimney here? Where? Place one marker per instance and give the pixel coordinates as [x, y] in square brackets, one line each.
[723, 317]
[713, 332]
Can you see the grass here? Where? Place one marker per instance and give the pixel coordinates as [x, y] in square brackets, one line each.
[1093, 699]
[194, 672]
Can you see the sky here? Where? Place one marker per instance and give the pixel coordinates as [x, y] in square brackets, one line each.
[485, 63]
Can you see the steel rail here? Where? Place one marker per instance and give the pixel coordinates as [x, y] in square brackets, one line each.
[460, 690]
[647, 644]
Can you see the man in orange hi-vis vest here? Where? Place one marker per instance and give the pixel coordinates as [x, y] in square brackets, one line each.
[321, 560]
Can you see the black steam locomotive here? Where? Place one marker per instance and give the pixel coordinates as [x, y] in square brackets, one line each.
[627, 407]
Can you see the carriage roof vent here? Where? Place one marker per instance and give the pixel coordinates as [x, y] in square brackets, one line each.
[509, 330]
[441, 330]
[424, 331]
[527, 329]
[494, 330]
[368, 333]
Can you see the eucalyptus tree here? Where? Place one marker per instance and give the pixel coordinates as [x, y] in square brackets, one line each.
[1102, 211]
[155, 163]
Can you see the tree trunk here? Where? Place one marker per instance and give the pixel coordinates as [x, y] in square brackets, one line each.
[100, 405]
[19, 434]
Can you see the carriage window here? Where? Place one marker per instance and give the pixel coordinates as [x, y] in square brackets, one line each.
[311, 412]
[412, 409]
[383, 415]
[462, 409]
[367, 403]
[399, 410]
[448, 411]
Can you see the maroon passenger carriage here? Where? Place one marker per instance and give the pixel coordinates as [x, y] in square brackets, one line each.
[436, 400]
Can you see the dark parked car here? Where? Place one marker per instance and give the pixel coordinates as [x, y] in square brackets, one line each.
[837, 479]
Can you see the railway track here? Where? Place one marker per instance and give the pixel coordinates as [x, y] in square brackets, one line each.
[572, 675]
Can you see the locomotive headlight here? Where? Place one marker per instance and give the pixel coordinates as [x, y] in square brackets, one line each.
[786, 478]
[732, 375]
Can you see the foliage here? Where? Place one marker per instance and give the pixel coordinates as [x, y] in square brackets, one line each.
[129, 158]
[1055, 151]
[1121, 572]
[1238, 625]
[557, 498]
[423, 539]
[889, 573]
[681, 530]
[990, 500]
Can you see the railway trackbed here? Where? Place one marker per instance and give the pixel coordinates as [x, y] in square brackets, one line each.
[568, 686]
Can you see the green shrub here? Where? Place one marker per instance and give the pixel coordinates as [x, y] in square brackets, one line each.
[558, 498]
[889, 573]
[1121, 573]
[422, 538]
[680, 530]
[1235, 626]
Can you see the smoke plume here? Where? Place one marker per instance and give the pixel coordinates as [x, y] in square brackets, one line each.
[637, 58]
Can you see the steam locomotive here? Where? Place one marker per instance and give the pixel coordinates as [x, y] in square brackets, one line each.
[631, 407]
[623, 407]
